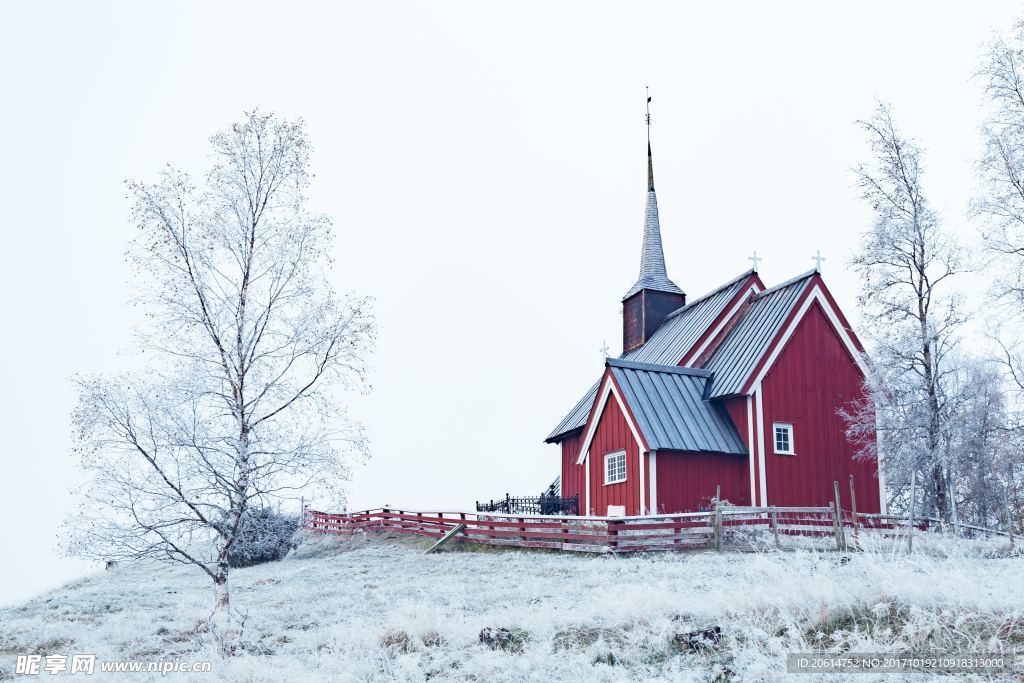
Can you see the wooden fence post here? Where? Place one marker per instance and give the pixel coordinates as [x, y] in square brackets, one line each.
[508, 504]
[1009, 519]
[840, 534]
[835, 524]
[853, 510]
[913, 492]
[775, 525]
[612, 532]
[718, 516]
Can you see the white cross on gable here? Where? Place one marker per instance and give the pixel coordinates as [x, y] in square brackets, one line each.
[818, 258]
[755, 258]
[604, 349]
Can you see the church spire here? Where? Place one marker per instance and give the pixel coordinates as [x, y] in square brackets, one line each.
[652, 257]
[650, 158]
[653, 296]
[650, 166]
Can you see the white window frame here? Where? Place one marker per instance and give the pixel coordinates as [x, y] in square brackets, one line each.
[788, 426]
[614, 454]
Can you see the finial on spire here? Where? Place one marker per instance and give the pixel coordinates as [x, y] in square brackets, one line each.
[650, 159]
[754, 259]
[818, 258]
[604, 349]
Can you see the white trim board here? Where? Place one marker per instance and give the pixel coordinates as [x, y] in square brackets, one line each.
[609, 388]
[586, 474]
[751, 450]
[652, 465]
[760, 446]
[643, 493]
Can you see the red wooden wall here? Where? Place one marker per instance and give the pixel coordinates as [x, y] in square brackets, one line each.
[811, 379]
[573, 481]
[613, 434]
[687, 481]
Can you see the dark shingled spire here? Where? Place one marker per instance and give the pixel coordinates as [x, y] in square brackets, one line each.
[652, 257]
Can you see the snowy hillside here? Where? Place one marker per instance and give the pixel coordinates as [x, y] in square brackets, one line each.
[381, 610]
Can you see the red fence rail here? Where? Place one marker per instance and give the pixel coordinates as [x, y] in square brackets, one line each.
[592, 534]
[712, 528]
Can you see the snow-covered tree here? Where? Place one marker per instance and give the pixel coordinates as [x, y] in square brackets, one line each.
[247, 346]
[1000, 203]
[987, 450]
[1001, 200]
[905, 262]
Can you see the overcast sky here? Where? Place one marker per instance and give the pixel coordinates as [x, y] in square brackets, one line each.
[485, 168]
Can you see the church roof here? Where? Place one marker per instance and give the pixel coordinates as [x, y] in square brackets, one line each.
[668, 345]
[653, 274]
[671, 413]
[684, 327]
[577, 417]
[739, 353]
[734, 359]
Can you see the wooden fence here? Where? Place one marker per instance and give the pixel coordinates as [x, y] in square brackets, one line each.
[712, 528]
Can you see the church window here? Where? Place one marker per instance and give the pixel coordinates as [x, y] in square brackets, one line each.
[615, 467]
[784, 438]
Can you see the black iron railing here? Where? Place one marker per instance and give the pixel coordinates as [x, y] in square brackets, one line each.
[531, 505]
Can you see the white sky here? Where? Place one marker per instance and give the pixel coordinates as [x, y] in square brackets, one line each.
[485, 167]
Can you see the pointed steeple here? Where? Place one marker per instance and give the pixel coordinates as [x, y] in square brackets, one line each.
[652, 257]
[650, 166]
[653, 296]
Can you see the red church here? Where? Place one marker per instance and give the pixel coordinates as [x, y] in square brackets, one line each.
[740, 388]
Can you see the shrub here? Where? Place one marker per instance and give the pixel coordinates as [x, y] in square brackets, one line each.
[264, 536]
[395, 640]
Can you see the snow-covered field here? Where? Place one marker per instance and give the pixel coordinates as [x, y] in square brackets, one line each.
[380, 610]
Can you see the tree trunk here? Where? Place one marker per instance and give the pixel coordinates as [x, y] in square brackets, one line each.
[938, 474]
[222, 611]
[941, 494]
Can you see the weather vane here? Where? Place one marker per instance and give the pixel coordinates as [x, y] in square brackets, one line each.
[648, 89]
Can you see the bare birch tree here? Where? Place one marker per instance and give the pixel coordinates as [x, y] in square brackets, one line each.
[248, 346]
[905, 262]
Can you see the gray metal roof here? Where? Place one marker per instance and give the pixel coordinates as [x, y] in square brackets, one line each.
[682, 328]
[670, 410]
[577, 417]
[737, 356]
[667, 346]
